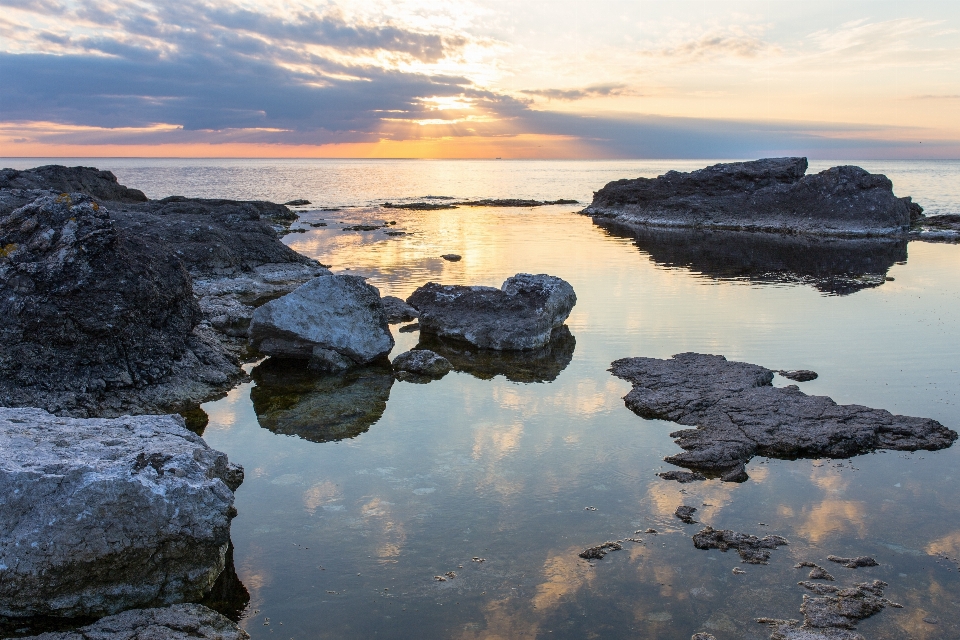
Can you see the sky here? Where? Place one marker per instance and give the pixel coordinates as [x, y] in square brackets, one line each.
[480, 78]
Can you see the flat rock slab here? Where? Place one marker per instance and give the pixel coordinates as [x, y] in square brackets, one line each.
[178, 622]
[102, 515]
[520, 315]
[752, 549]
[772, 194]
[335, 321]
[738, 415]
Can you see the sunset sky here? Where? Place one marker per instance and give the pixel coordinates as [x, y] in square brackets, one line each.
[480, 78]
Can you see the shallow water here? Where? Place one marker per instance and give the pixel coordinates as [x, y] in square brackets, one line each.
[359, 491]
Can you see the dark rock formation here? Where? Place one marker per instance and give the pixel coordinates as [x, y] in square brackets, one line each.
[941, 228]
[96, 321]
[816, 571]
[520, 315]
[599, 551]
[452, 257]
[100, 185]
[831, 616]
[100, 515]
[422, 362]
[335, 322]
[685, 514]
[682, 477]
[772, 194]
[299, 202]
[834, 266]
[738, 414]
[397, 310]
[486, 202]
[799, 375]
[179, 622]
[752, 550]
[536, 365]
[292, 400]
[854, 563]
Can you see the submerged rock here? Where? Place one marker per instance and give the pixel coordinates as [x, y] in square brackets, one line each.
[598, 552]
[682, 477]
[752, 550]
[289, 399]
[685, 514]
[452, 257]
[832, 616]
[799, 375]
[178, 622]
[854, 563]
[816, 571]
[738, 414]
[398, 310]
[335, 322]
[520, 315]
[422, 362]
[101, 515]
[771, 194]
[833, 266]
[534, 365]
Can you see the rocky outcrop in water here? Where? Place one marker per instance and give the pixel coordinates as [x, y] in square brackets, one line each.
[178, 622]
[96, 321]
[834, 266]
[772, 194]
[334, 322]
[535, 365]
[422, 362]
[600, 551]
[520, 315]
[752, 550]
[397, 310]
[112, 303]
[289, 399]
[832, 615]
[738, 414]
[102, 515]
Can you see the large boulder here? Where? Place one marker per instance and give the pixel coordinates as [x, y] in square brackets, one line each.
[102, 515]
[91, 316]
[737, 414]
[335, 322]
[520, 315]
[177, 622]
[772, 194]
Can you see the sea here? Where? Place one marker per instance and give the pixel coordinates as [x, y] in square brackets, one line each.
[379, 508]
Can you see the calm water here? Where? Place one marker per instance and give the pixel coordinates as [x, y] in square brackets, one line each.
[343, 538]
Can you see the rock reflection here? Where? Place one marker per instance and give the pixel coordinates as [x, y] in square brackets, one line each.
[834, 266]
[536, 365]
[289, 399]
[228, 596]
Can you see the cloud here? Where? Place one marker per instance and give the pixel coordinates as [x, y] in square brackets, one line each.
[593, 91]
[715, 46]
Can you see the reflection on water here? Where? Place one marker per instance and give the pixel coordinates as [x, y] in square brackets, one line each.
[228, 595]
[535, 365]
[343, 539]
[292, 400]
[831, 265]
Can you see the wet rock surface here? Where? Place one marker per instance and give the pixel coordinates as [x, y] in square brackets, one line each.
[335, 322]
[422, 362]
[398, 310]
[816, 571]
[290, 399]
[486, 202]
[771, 194]
[177, 622]
[101, 515]
[799, 375]
[600, 551]
[738, 415]
[685, 514]
[834, 614]
[752, 550]
[534, 365]
[939, 228]
[97, 321]
[520, 315]
[833, 266]
[682, 477]
[854, 563]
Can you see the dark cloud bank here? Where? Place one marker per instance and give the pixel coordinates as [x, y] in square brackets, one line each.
[228, 75]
